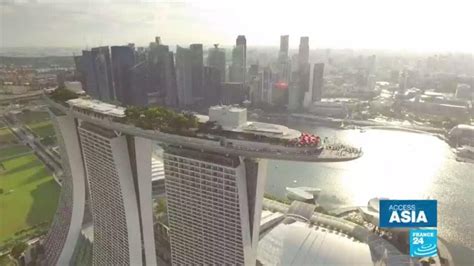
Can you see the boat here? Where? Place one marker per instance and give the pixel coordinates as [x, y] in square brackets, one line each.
[303, 193]
[312, 190]
[298, 194]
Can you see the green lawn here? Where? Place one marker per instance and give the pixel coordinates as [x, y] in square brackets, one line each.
[12, 150]
[31, 117]
[43, 128]
[29, 195]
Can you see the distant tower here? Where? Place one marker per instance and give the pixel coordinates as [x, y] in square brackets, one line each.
[184, 76]
[318, 72]
[284, 43]
[303, 52]
[216, 59]
[239, 60]
[103, 73]
[197, 69]
[241, 41]
[156, 81]
[123, 59]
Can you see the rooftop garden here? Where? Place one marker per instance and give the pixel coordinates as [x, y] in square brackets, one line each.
[161, 118]
[186, 124]
[62, 95]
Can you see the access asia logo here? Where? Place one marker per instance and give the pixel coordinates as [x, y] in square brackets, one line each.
[408, 213]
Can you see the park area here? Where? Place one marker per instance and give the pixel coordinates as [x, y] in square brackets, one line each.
[28, 193]
[6, 136]
[37, 121]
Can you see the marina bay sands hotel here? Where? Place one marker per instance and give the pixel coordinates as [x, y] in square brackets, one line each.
[214, 184]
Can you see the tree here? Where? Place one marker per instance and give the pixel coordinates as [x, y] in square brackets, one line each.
[161, 206]
[63, 95]
[18, 249]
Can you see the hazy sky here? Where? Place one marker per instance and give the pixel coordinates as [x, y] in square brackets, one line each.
[419, 25]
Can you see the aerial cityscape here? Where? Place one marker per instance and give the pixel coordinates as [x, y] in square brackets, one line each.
[183, 133]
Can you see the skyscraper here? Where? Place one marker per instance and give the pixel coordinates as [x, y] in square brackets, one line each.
[242, 41]
[216, 59]
[239, 61]
[303, 74]
[318, 72]
[171, 89]
[233, 92]
[284, 44]
[89, 76]
[303, 52]
[184, 78]
[103, 73]
[123, 59]
[197, 69]
[140, 83]
[162, 85]
[212, 86]
[267, 85]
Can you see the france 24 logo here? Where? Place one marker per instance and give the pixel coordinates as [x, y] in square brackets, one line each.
[408, 213]
[423, 243]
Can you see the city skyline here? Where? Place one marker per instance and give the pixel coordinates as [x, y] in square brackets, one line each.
[373, 25]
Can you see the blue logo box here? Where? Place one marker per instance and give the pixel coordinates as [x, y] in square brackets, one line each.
[408, 213]
[423, 243]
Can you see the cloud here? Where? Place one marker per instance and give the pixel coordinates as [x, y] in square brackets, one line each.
[402, 24]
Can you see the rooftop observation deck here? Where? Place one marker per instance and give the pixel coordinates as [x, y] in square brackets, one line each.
[105, 115]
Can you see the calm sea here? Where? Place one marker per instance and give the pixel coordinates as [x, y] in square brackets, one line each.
[396, 165]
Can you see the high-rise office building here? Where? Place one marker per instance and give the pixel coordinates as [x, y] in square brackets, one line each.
[256, 87]
[86, 64]
[171, 89]
[300, 79]
[212, 86]
[267, 85]
[280, 93]
[79, 73]
[303, 52]
[318, 82]
[184, 78]
[284, 44]
[242, 41]
[238, 68]
[162, 85]
[216, 59]
[123, 60]
[233, 93]
[103, 73]
[197, 70]
[140, 80]
[253, 70]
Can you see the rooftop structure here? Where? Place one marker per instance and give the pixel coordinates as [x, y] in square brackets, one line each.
[98, 107]
[297, 243]
[228, 116]
[297, 235]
